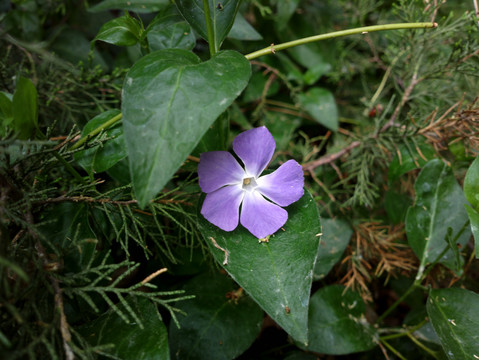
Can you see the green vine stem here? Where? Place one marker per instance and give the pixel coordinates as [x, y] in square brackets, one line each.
[97, 131]
[209, 28]
[421, 275]
[361, 30]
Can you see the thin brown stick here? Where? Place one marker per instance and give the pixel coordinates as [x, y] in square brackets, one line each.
[88, 199]
[58, 298]
[154, 275]
[404, 99]
[329, 158]
[215, 244]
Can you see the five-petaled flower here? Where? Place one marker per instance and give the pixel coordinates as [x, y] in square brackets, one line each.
[229, 186]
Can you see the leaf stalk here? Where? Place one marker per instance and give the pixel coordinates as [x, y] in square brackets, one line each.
[361, 30]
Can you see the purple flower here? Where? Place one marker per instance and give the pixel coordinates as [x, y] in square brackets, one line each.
[229, 186]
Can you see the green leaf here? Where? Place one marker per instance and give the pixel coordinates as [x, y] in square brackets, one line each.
[67, 227]
[396, 205]
[72, 45]
[320, 104]
[130, 341]
[453, 313]
[314, 73]
[102, 157]
[122, 31]
[220, 323]
[222, 15]
[338, 323]
[474, 219]
[24, 106]
[277, 274]
[256, 86]
[242, 30]
[170, 100]
[439, 206]
[6, 113]
[169, 30]
[282, 127]
[284, 10]
[471, 184]
[409, 158]
[335, 238]
[140, 6]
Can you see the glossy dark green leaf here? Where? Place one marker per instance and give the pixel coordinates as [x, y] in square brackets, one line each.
[277, 274]
[310, 55]
[130, 341]
[100, 158]
[409, 158]
[300, 355]
[471, 191]
[474, 220]
[396, 205]
[282, 127]
[314, 73]
[73, 46]
[256, 86]
[338, 323]
[122, 31]
[165, 114]
[67, 227]
[6, 113]
[221, 322]
[222, 15]
[439, 205]
[471, 184]
[216, 137]
[24, 106]
[284, 10]
[335, 238]
[169, 30]
[242, 30]
[140, 6]
[320, 104]
[453, 313]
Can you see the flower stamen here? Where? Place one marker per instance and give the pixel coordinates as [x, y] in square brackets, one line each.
[249, 184]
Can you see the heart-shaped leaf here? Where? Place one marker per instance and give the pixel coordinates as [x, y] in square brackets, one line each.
[453, 313]
[101, 158]
[25, 112]
[439, 206]
[140, 6]
[206, 332]
[336, 236]
[338, 322]
[170, 100]
[222, 15]
[471, 184]
[168, 30]
[122, 31]
[320, 104]
[276, 274]
[130, 341]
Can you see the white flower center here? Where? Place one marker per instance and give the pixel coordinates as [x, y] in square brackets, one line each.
[249, 184]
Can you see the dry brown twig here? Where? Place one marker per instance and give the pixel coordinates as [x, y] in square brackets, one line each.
[377, 251]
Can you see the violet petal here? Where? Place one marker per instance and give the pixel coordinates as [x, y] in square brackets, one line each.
[217, 169]
[261, 217]
[285, 185]
[221, 207]
[255, 148]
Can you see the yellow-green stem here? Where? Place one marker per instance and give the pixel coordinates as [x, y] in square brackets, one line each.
[361, 30]
[97, 131]
[209, 28]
